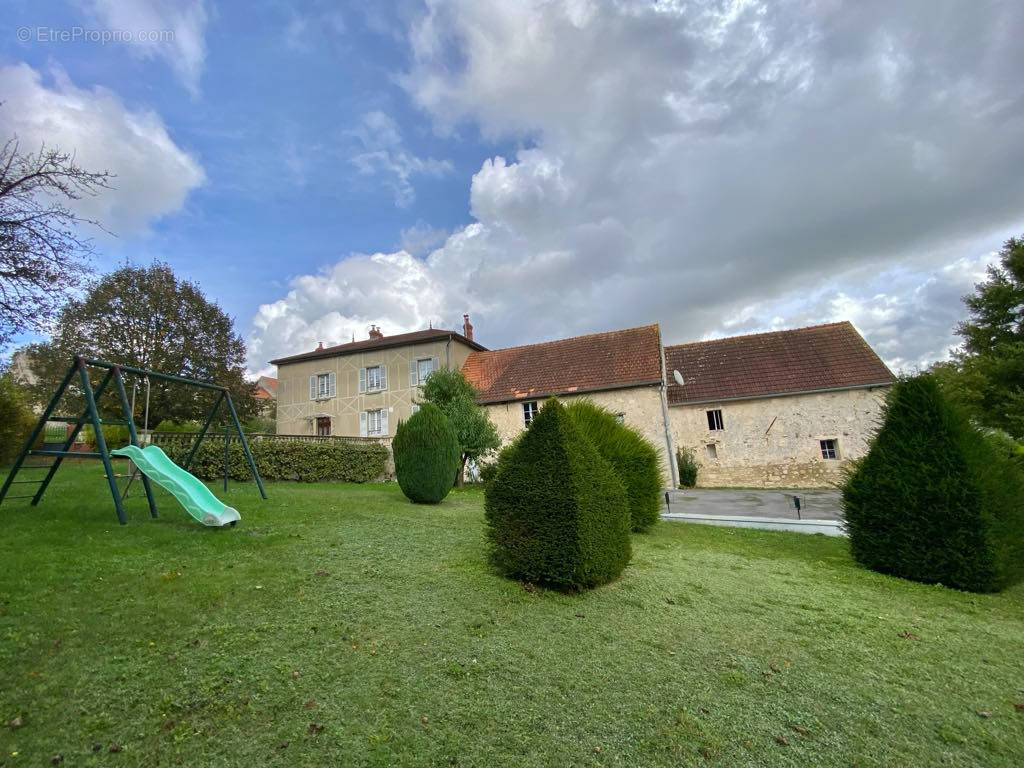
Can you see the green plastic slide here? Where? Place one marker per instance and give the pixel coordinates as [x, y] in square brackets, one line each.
[188, 489]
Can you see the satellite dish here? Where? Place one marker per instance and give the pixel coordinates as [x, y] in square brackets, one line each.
[679, 378]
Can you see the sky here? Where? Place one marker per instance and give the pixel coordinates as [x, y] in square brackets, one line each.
[551, 168]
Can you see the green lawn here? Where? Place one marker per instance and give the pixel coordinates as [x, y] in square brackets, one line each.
[341, 625]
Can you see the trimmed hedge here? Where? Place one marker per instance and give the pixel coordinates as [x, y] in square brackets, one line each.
[934, 501]
[285, 460]
[557, 512]
[631, 455]
[427, 455]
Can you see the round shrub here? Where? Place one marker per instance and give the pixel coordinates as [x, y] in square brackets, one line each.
[427, 455]
[631, 455]
[933, 500]
[556, 511]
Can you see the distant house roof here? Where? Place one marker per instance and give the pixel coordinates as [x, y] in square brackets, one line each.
[600, 361]
[821, 357]
[384, 342]
[266, 388]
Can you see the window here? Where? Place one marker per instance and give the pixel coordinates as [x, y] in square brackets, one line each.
[829, 449]
[323, 426]
[711, 450]
[373, 422]
[373, 377]
[715, 420]
[323, 386]
[424, 368]
[529, 412]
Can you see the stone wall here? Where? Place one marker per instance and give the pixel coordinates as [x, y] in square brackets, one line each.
[773, 442]
[640, 407]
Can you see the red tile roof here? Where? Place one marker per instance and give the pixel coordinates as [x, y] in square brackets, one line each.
[399, 339]
[612, 360]
[266, 388]
[821, 357]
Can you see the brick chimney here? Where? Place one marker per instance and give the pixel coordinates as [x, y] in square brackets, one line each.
[320, 346]
[375, 332]
[467, 327]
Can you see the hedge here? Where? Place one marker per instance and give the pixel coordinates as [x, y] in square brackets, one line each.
[556, 511]
[934, 500]
[631, 455]
[427, 455]
[285, 460]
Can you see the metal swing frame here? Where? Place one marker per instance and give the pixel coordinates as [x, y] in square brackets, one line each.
[114, 373]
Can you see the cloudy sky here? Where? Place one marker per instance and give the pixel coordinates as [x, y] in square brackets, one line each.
[552, 168]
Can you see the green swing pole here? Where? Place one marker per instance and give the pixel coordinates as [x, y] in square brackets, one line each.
[68, 443]
[119, 382]
[40, 425]
[245, 445]
[202, 432]
[101, 443]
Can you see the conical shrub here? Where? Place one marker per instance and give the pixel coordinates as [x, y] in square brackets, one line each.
[426, 453]
[933, 500]
[556, 511]
[631, 455]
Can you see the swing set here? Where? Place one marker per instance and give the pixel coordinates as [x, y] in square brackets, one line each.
[151, 463]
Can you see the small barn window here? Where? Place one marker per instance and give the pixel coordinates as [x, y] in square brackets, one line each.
[529, 412]
[829, 449]
[715, 420]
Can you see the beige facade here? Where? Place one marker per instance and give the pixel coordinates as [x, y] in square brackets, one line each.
[298, 410]
[775, 442]
[640, 407]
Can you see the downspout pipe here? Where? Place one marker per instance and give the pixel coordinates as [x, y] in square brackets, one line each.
[663, 393]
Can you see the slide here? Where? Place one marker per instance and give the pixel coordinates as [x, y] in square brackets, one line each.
[188, 489]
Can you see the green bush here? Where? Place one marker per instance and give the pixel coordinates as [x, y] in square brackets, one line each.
[557, 512]
[934, 500]
[167, 425]
[284, 460]
[427, 455]
[688, 467]
[631, 455]
[16, 420]
[115, 436]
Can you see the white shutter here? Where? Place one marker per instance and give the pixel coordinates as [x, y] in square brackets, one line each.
[413, 380]
[362, 383]
[362, 423]
[383, 376]
[435, 364]
[332, 384]
[384, 421]
[312, 387]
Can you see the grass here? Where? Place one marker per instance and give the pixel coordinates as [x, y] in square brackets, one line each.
[340, 624]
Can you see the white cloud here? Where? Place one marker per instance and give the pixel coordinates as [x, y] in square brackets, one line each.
[153, 174]
[185, 20]
[393, 290]
[685, 163]
[421, 238]
[384, 153]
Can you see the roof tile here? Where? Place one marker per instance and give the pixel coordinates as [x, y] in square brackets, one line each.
[612, 360]
[820, 357]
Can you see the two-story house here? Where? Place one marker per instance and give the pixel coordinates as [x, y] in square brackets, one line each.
[364, 387]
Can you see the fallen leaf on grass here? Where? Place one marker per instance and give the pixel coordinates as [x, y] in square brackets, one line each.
[782, 741]
[799, 729]
[774, 667]
[322, 573]
[283, 745]
[1019, 706]
[907, 635]
[314, 729]
[311, 704]
[114, 748]
[597, 749]
[97, 747]
[56, 759]
[169, 725]
[984, 713]
[16, 722]
[424, 719]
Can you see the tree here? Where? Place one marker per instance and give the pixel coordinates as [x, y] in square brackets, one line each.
[42, 254]
[454, 395]
[145, 317]
[986, 376]
[16, 419]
